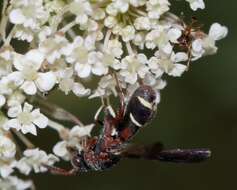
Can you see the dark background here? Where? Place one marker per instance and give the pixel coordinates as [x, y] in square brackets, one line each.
[197, 110]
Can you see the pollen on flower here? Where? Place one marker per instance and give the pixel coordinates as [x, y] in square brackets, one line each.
[68, 44]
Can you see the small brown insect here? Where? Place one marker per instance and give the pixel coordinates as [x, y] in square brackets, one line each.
[190, 32]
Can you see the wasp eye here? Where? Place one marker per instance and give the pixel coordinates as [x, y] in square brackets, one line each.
[76, 161]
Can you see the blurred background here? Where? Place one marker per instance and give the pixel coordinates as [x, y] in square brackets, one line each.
[197, 110]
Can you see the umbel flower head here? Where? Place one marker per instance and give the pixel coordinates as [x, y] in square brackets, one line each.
[69, 43]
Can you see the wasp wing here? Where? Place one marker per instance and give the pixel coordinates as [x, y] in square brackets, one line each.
[148, 152]
[157, 151]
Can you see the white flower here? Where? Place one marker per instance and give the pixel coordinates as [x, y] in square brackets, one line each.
[28, 76]
[7, 154]
[128, 33]
[156, 8]
[9, 83]
[114, 48]
[106, 87]
[196, 4]
[6, 167]
[111, 9]
[93, 65]
[168, 64]
[67, 83]
[5, 62]
[2, 100]
[14, 183]
[53, 47]
[79, 54]
[7, 148]
[73, 139]
[25, 119]
[16, 98]
[156, 83]
[3, 120]
[86, 61]
[161, 38]
[33, 160]
[80, 90]
[110, 21]
[44, 33]
[174, 34]
[139, 40]
[99, 14]
[197, 49]
[98, 62]
[24, 34]
[217, 31]
[121, 5]
[82, 9]
[134, 66]
[28, 13]
[142, 23]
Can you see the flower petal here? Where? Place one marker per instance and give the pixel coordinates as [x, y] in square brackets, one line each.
[27, 107]
[2, 100]
[217, 31]
[29, 129]
[16, 16]
[12, 123]
[36, 57]
[83, 70]
[39, 119]
[180, 56]
[29, 87]
[78, 131]
[14, 111]
[46, 81]
[60, 149]
[80, 90]
[178, 70]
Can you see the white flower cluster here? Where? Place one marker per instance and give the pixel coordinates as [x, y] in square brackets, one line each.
[67, 44]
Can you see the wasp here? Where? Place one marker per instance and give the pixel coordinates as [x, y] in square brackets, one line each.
[106, 150]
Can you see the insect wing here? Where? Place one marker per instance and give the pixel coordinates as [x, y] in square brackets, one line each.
[157, 152]
[184, 155]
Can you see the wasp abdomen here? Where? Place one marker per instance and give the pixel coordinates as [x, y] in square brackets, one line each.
[140, 110]
[141, 106]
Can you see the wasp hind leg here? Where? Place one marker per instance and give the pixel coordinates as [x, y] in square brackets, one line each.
[121, 111]
[61, 171]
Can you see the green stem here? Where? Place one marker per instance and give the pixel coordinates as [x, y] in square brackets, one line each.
[24, 139]
[56, 112]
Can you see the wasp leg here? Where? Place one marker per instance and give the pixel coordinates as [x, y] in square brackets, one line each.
[98, 112]
[189, 56]
[60, 171]
[121, 111]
